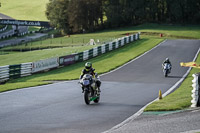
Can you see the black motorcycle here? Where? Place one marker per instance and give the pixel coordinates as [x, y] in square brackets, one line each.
[166, 69]
[90, 89]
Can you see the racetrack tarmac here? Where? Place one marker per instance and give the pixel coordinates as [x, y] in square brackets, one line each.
[60, 107]
[186, 121]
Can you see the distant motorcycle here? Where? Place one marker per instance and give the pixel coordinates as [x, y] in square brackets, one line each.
[90, 89]
[166, 69]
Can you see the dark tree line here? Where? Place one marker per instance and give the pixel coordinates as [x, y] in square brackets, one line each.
[75, 15]
[89, 15]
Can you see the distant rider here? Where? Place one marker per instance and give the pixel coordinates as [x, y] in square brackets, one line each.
[168, 62]
[89, 70]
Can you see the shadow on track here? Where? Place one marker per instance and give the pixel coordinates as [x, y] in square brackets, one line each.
[174, 77]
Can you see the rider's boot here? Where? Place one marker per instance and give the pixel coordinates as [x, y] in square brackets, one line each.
[98, 91]
[82, 89]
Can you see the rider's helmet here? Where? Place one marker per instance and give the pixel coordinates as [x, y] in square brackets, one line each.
[88, 66]
[167, 59]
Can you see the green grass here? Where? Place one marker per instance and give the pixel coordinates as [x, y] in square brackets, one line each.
[169, 31]
[24, 9]
[33, 28]
[75, 40]
[147, 31]
[103, 63]
[23, 57]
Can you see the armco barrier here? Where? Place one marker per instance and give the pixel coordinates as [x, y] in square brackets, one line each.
[91, 53]
[15, 71]
[4, 73]
[88, 54]
[80, 56]
[3, 29]
[46, 64]
[99, 50]
[25, 69]
[103, 48]
[95, 51]
[67, 60]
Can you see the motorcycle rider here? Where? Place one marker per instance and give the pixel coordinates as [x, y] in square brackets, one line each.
[89, 70]
[168, 62]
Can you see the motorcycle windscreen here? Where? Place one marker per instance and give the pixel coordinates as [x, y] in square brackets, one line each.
[86, 82]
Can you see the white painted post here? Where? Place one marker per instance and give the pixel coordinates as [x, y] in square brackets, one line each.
[117, 43]
[103, 49]
[132, 38]
[110, 46]
[86, 55]
[95, 51]
[122, 41]
[195, 90]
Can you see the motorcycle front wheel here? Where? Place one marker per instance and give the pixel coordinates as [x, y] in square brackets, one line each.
[87, 97]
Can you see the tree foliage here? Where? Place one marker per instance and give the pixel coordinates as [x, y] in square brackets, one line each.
[56, 12]
[87, 15]
[75, 15]
[84, 14]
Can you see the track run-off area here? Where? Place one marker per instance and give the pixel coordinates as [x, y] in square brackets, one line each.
[60, 107]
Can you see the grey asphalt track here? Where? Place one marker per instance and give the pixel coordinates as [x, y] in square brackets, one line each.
[18, 40]
[59, 107]
[186, 121]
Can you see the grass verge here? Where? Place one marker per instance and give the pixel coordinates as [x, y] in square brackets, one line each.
[19, 57]
[103, 63]
[24, 9]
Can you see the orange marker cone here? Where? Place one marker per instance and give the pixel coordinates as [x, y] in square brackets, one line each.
[160, 94]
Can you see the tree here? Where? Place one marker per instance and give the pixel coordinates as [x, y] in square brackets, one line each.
[113, 11]
[133, 11]
[56, 12]
[85, 14]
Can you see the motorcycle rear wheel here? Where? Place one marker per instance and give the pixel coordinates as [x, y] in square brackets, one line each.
[97, 99]
[166, 73]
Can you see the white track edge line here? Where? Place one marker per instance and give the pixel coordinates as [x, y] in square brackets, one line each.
[134, 116]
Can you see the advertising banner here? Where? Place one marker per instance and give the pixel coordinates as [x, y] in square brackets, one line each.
[67, 60]
[45, 64]
[24, 22]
